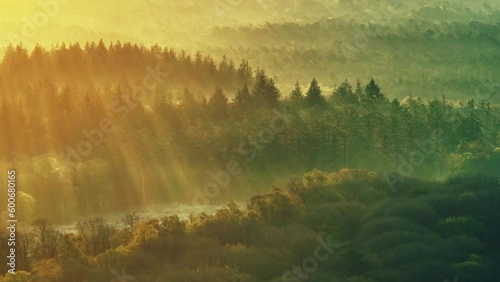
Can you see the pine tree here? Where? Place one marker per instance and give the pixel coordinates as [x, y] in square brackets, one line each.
[244, 72]
[218, 105]
[296, 96]
[314, 96]
[373, 92]
[243, 101]
[265, 92]
[359, 90]
[344, 93]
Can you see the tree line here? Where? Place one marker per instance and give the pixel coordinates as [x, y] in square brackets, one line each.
[162, 148]
[356, 227]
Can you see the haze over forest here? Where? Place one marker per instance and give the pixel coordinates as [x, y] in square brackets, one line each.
[228, 140]
[412, 47]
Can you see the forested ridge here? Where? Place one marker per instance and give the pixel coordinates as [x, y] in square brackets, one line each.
[349, 223]
[250, 141]
[170, 139]
[202, 116]
[416, 48]
[413, 56]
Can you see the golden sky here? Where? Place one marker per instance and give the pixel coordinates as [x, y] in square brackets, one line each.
[176, 23]
[51, 21]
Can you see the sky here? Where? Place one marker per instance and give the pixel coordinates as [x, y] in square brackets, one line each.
[176, 23]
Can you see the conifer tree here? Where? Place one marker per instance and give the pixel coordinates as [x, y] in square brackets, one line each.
[314, 96]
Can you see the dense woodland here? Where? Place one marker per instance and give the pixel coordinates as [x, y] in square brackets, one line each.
[169, 138]
[422, 231]
[416, 56]
[347, 140]
[423, 48]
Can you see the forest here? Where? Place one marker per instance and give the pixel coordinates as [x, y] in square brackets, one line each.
[174, 136]
[266, 140]
[340, 226]
[179, 141]
[417, 48]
